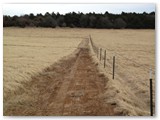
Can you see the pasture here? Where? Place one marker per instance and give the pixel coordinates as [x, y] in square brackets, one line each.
[29, 51]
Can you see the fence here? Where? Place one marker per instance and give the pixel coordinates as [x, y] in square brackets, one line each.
[104, 58]
[101, 55]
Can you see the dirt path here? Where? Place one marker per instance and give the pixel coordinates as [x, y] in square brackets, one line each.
[85, 87]
[71, 88]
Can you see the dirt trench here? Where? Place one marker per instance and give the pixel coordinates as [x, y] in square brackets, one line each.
[73, 87]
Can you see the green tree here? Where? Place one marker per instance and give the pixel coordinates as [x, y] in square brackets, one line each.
[104, 22]
[120, 23]
[84, 21]
[92, 21]
[22, 22]
[60, 21]
[49, 22]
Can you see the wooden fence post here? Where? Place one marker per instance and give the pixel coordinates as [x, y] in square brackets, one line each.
[91, 41]
[100, 53]
[104, 58]
[113, 66]
[151, 95]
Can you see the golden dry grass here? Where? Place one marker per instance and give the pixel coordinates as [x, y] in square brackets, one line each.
[135, 54]
[28, 51]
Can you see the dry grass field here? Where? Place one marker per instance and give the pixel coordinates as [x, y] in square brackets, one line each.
[29, 51]
[32, 55]
[134, 51]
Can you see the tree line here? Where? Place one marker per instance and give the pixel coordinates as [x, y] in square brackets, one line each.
[89, 20]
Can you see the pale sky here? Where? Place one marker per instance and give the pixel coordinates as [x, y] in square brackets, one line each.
[21, 9]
